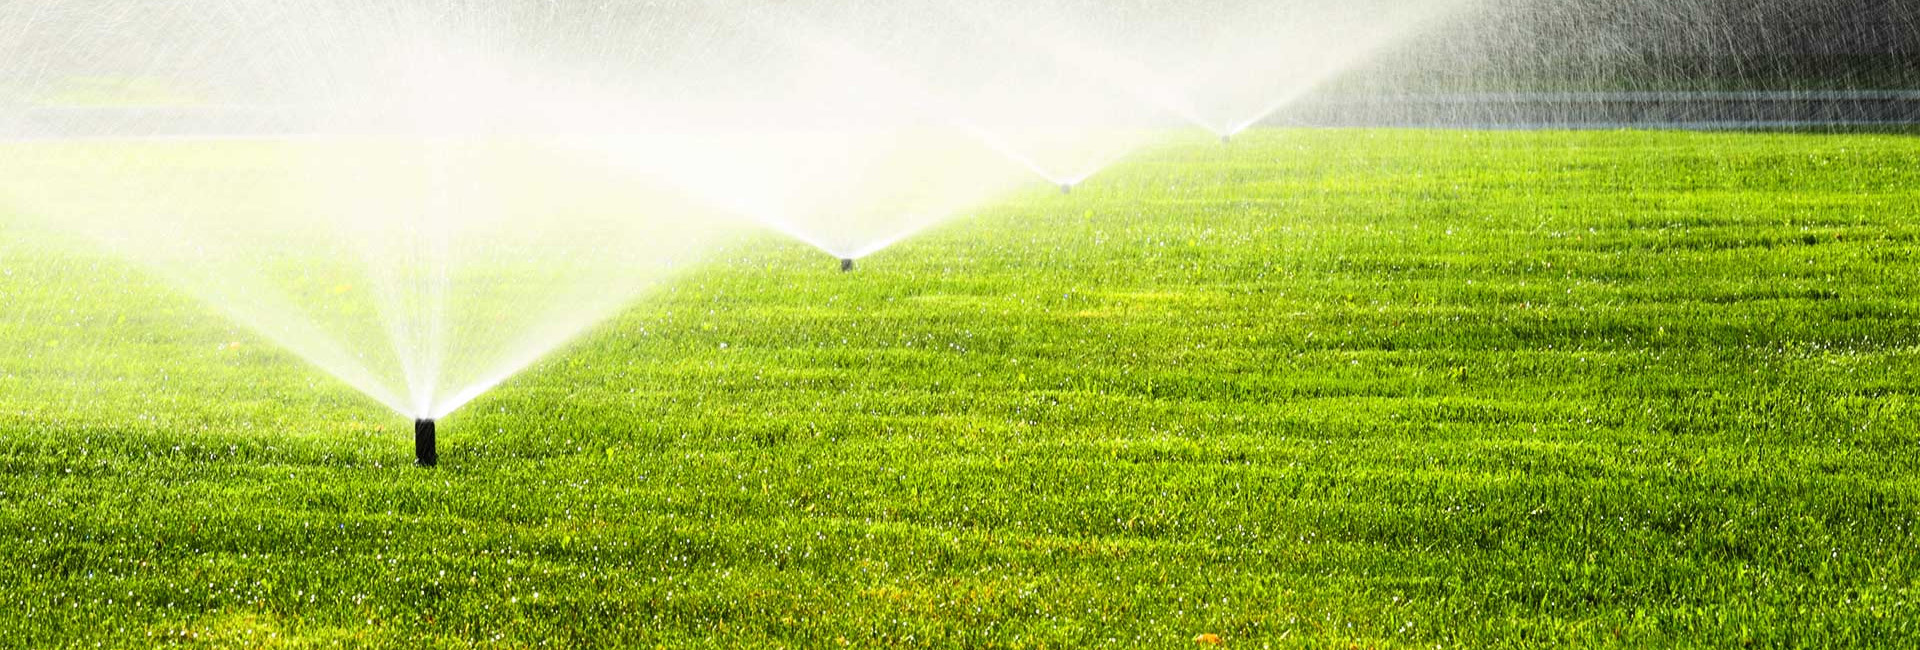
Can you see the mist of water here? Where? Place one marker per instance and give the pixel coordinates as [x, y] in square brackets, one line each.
[424, 198]
[853, 125]
[1224, 65]
[392, 195]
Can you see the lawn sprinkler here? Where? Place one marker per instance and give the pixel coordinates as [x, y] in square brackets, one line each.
[1226, 138]
[1066, 188]
[424, 453]
[846, 265]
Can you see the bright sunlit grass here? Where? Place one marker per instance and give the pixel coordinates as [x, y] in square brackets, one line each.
[1314, 389]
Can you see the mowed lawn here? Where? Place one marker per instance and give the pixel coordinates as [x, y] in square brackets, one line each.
[1370, 389]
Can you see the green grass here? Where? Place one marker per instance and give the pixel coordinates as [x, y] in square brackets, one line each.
[1316, 389]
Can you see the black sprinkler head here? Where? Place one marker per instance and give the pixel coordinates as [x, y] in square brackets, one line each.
[1226, 138]
[424, 452]
[846, 264]
[1066, 188]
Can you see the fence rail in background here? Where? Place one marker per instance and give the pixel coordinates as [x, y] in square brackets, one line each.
[1572, 110]
[1575, 110]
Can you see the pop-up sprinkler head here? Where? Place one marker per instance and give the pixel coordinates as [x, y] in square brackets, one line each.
[424, 452]
[846, 264]
[1066, 188]
[1226, 138]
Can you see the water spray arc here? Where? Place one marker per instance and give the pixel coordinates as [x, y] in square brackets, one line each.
[426, 200]
[1225, 76]
[389, 195]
